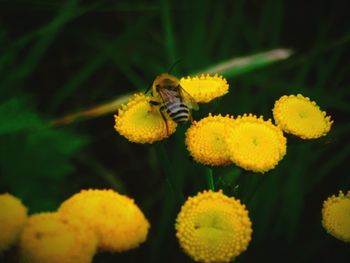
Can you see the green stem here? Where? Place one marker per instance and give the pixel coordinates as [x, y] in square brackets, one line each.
[168, 30]
[173, 197]
[170, 176]
[210, 179]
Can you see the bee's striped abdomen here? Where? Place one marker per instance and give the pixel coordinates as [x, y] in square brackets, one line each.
[177, 110]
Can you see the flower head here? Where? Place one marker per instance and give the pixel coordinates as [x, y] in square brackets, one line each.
[117, 221]
[13, 215]
[336, 216]
[255, 144]
[50, 237]
[205, 140]
[139, 122]
[212, 227]
[301, 117]
[205, 88]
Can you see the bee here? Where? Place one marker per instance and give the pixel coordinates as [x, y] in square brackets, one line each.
[171, 98]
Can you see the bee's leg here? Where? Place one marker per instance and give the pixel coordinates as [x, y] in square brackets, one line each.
[190, 118]
[164, 119]
[149, 87]
[153, 103]
[161, 109]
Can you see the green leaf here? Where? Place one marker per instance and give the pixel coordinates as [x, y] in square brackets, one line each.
[35, 159]
[14, 119]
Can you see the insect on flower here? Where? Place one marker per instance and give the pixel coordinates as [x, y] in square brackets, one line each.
[170, 97]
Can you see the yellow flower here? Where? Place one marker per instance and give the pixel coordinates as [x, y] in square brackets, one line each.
[205, 140]
[212, 227]
[301, 117]
[50, 237]
[205, 88]
[336, 216]
[13, 215]
[255, 144]
[139, 122]
[117, 221]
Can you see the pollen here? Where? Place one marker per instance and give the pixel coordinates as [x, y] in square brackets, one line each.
[336, 216]
[50, 237]
[205, 140]
[117, 221]
[140, 122]
[301, 117]
[255, 144]
[205, 88]
[13, 216]
[212, 227]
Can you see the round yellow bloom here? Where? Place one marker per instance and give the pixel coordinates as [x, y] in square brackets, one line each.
[212, 227]
[117, 221]
[139, 122]
[255, 144]
[50, 237]
[336, 216]
[13, 215]
[301, 117]
[205, 140]
[205, 88]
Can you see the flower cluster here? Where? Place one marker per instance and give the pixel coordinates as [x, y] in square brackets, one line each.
[205, 88]
[300, 116]
[205, 140]
[212, 227]
[13, 216]
[247, 141]
[116, 220]
[251, 142]
[140, 122]
[52, 237]
[88, 222]
[336, 216]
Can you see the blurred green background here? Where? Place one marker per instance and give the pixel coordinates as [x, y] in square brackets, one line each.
[61, 57]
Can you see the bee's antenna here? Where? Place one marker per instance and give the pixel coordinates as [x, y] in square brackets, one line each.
[149, 87]
[147, 90]
[172, 66]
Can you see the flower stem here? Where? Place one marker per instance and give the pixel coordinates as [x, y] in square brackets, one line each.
[170, 177]
[210, 179]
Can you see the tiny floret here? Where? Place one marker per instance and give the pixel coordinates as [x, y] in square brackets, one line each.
[140, 123]
[50, 237]
[212, 227]
[117, 221]
[13, 215]
[255, 144]
[300, 116]
[205, 88]
[205, 140]
[336, 216]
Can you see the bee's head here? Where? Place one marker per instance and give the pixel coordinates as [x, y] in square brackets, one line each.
[165, 81]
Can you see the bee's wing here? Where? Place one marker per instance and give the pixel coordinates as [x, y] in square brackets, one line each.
[188, 99]
[167, 95]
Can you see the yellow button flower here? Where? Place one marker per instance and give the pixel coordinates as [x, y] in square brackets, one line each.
[255, 144]
[301, 117]
[139, 122]
[205, 140]
[212, 227]
[50, 237]
[336, 216]
[13, 215]
[117, 221]
[205, 88]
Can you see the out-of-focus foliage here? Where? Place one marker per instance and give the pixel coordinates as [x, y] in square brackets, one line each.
[60, 57]
[34, 157]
